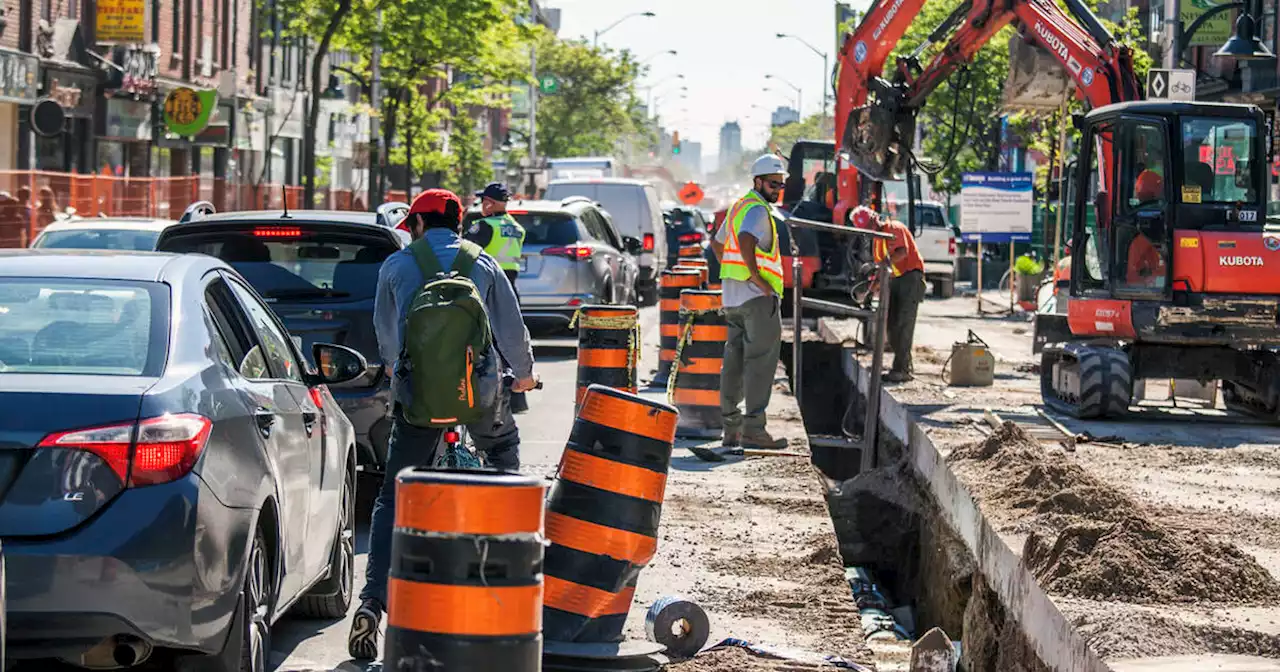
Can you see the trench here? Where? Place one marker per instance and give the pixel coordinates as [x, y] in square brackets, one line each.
[890, 528]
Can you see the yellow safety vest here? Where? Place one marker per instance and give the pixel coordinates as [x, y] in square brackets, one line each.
[507, 243]
[733, 266]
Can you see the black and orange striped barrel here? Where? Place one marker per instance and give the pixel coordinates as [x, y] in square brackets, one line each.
[674, 281]
[465, 587]
[696, 379]
[608, 348]
[700, 268]
[603, 513]
[689, 250]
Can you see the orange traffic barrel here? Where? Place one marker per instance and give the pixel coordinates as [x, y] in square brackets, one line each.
[690, 250]
[608, 347]
[603, 513]
[674, 281]
[701, 269]
[694, 387]
[465, 587]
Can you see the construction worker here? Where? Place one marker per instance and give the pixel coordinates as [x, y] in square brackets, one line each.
[906, 292]
[499, 233]
[1145, 267]
[1062, 272]
[751, 276]
[503, 238]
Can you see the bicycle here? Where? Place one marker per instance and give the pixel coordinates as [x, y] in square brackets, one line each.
[459, 451]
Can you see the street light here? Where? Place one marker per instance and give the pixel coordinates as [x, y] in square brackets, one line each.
[652, 56]
[825, 72]
[799, 93]
[596, 40]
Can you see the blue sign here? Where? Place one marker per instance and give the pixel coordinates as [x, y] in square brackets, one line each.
[996, 207]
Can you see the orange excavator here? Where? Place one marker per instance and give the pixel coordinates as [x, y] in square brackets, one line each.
[1175, 272]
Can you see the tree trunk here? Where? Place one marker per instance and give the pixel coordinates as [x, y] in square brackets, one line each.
[313, 110]
[390, 115]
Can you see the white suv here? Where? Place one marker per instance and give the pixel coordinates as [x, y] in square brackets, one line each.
[936, 241]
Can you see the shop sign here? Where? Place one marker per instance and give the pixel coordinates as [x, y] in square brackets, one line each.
[140, 66]
[187, 111]
[18, 77]
[121, 21]
[73, 91]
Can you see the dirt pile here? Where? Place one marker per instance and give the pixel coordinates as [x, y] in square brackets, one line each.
[1089, 539]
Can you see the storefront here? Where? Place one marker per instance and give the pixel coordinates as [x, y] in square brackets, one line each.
[288, 110]
[75, 89]
[19, 86]
[128, 120]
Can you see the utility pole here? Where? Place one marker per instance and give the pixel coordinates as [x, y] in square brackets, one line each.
[375, 133]
[533, 122]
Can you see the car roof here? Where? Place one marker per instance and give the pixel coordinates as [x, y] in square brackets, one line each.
[599, 180]
[96, 223]
[101, 264]
[291, 216]
[571, 204]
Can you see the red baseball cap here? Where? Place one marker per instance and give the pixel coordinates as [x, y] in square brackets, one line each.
[435, 201]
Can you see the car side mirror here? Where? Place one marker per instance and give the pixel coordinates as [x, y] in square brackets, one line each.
[632, 245]
[337, 363]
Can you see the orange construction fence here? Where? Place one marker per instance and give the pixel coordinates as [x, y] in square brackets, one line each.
[30, 200]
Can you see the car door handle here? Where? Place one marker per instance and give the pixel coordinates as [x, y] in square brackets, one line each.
[266, 420]
[309, 418]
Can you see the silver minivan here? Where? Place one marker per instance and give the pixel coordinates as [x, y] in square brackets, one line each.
[633, 205]
[572, 257]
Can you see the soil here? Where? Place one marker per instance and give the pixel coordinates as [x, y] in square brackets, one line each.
[741, 660]
[1117, 633]
[1090, 539]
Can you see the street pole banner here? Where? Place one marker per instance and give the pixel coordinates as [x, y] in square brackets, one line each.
[996, 207]
[121, 21]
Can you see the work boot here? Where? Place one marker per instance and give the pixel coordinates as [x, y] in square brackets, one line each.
[898, 377]
[732, 438]
[362, 643]
[761, 440]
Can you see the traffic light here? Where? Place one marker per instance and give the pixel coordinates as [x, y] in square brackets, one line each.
[675, 142]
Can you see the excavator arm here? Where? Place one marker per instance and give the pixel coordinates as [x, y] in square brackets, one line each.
[875, 117]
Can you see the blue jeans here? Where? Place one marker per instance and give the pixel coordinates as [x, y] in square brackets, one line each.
[495, 435]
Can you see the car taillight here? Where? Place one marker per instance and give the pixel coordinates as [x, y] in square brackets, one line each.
[166, 448]
[648, 242]
[691, 238]
[951, 246]
[575, 252]
[277, 232]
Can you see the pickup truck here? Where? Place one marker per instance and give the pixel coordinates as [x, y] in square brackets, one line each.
[936, 240]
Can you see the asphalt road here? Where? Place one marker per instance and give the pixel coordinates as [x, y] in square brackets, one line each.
[313, 646]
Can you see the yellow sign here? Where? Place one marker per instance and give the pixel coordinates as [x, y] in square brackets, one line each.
[122, 21]
[1190, 193]
[1189, 242]
[1213, 32]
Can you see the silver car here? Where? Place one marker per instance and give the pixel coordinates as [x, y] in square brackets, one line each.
[573, 256]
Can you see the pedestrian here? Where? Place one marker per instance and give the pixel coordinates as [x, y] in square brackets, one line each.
[503, 238]
[906, 292]
[746, 246]
[435, 219]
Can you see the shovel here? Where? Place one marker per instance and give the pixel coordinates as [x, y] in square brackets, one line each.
[723, 454]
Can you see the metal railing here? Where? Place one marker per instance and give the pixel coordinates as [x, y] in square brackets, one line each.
[876, 317]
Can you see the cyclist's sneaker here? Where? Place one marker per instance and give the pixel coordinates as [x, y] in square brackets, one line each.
[362, 643]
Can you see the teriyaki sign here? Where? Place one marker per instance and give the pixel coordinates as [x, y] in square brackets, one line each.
[996, 207]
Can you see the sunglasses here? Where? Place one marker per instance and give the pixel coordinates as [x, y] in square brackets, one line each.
[775, 184]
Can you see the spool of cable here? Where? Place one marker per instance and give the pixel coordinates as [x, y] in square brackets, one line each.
[678, 624]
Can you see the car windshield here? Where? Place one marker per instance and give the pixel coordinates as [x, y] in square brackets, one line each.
[683, 221]
[64, 326]
[296, 263]
[1218, 160]
[547, 229]
[98, 239]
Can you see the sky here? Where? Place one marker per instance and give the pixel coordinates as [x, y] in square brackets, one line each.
[724, 50]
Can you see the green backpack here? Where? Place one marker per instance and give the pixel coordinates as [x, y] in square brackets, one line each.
[446, 335]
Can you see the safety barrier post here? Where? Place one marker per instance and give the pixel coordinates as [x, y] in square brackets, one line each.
[694, 387]
[674, 281]
[608, 348]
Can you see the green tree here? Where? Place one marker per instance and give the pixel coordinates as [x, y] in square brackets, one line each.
[470, 167]
[595, 105]
[783, 137]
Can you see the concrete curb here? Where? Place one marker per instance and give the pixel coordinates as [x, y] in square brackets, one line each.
[1047, 630]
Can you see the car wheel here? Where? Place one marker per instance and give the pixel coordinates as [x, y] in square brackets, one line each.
[610, 295]
[332, 597]
[648, 295]
[255, 600]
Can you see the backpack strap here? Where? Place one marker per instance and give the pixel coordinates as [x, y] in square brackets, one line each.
[468, 254]
[426, 258]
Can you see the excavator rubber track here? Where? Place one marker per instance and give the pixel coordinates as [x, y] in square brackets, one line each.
[1086, 381]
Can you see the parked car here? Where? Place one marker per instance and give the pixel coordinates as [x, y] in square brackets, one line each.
[318, 270]
[177, 477]
[633, 204]
[936, 239]
[95, 233]
[573, 256]
[686, 227]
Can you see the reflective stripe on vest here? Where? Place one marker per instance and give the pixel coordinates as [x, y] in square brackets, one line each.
[507, 243]
[732, 265]
[882, 253]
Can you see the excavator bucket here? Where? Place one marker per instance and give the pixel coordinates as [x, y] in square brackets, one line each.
[1037, 83]
[873, 141]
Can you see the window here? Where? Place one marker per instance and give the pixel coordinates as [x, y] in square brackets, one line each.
[1142, 168]
[218, 342]
[176, 45]
[1139, 233]
[1217, 161]
[92, 327]
[275, 348]
[548, 229]
[99, 239]
[594, 227]
[1097, 208]
[25, 21]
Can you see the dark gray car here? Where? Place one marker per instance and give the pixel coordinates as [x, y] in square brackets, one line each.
[174, 475]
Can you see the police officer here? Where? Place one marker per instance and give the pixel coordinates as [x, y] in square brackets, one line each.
[499, 233]
[503, 238]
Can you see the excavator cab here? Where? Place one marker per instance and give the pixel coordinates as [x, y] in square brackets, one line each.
[810, 171]
[1175, 273]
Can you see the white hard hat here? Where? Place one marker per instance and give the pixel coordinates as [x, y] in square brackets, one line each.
[768, 164]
